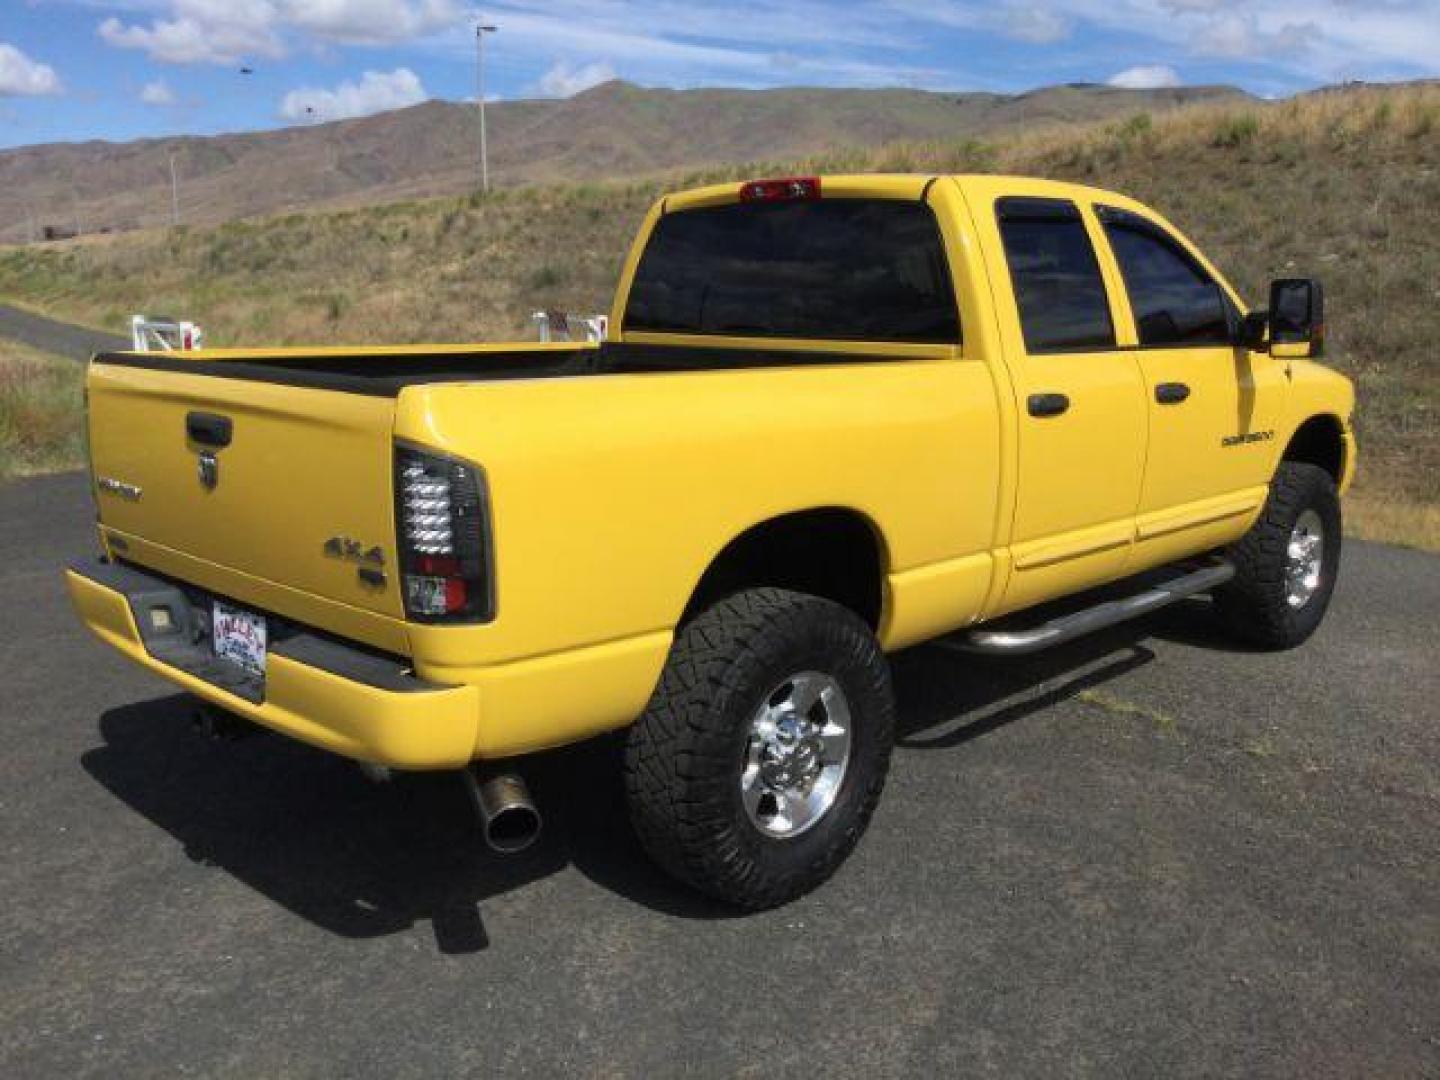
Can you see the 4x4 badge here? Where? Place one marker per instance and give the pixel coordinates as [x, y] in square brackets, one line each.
[343, 547]
[111, 486]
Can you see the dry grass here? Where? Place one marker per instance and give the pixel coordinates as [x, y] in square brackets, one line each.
[41, 415]
[1376, 516]
[1341, 185]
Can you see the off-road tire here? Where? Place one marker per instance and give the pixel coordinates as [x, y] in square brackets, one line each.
[685, 755]
[1253, 605]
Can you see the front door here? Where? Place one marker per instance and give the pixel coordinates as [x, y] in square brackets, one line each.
[1213, 405]
[1082, 418]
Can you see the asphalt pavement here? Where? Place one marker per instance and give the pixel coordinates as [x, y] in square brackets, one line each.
[1149, 854]
[61, 338]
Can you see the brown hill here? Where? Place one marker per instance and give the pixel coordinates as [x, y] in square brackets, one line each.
[614, 130]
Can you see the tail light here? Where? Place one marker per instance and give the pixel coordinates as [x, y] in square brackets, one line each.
[442, 519]
[785, 189]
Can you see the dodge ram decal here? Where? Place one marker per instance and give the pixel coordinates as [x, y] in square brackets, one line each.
[1247, 437]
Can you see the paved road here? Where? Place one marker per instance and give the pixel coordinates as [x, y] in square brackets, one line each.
[63, 339]
[1148, 855]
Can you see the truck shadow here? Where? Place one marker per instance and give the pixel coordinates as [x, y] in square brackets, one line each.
[363, 859]
[947, 698]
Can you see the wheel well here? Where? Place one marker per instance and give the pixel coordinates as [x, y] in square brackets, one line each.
[832, 552]
[1319, 441]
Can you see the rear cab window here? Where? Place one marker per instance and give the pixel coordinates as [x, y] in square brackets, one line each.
[1175, 301]
[840, 269]
[1059, 290]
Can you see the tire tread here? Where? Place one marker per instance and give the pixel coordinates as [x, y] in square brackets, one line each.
[1252, 604]
[678, 754]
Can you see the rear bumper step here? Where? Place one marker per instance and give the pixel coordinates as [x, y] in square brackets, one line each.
[1065, 628]
[349, 700]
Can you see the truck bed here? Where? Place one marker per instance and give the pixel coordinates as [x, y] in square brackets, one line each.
[381, 372]
[385, 372]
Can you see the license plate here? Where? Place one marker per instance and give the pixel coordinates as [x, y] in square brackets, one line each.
[239, 636]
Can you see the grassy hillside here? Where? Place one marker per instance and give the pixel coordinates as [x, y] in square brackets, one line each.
[40, 412]
[1342, 185]
[614, 130]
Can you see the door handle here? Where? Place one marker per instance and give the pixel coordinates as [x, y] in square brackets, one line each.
[208, 429]
[1047, 404]
[1171, 393]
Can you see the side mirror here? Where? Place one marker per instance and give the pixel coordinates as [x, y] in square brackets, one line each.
[1297, 318]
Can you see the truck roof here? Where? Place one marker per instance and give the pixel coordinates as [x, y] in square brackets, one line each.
[898, 186]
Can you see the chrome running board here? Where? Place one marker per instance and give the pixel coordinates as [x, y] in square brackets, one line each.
[1078, 624]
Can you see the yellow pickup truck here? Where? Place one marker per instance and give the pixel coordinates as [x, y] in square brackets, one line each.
[835, 417]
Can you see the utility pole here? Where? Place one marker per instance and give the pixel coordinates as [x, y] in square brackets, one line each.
[174, 193]
[481, 29]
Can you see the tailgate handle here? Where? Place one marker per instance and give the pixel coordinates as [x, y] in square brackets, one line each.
[207, 429]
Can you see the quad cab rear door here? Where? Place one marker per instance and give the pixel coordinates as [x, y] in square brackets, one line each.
[1079, 398]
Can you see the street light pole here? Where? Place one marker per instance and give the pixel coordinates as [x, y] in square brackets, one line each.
[481, 29]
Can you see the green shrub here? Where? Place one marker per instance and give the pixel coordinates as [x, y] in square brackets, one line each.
[1236, 131]
[41, 412]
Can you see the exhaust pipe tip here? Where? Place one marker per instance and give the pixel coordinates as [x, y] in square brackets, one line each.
[513, 829]
[509, 820]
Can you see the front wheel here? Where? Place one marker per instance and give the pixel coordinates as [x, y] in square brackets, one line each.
[755, 768]
[1286, 565]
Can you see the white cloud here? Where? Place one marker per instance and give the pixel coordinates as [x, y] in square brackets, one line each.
[672, 43]
[1227, 35]
[203, 32]
[1145, 77]
[157, 93]
[564, 81]
[868, 24]
[377, 91]
[1304, 40]
[859, 43]
[1033, 24]
[371, 22]
[22, 77]
[229, 31]
[1233, 35]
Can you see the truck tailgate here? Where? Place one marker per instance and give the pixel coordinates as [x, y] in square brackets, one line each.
[301, 493]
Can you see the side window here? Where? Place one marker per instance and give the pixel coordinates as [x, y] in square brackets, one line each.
[1058, 287]
[1175, 301]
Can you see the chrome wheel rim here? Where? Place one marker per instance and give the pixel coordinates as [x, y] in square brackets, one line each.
[796, 754]
[1304, 557]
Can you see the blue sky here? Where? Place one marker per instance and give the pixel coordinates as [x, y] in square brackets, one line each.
[83, 69]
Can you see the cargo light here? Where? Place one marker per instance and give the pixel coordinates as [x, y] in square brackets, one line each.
[783, 189]
[441, 518]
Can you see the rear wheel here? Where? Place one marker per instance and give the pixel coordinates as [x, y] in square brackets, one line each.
[756, 766]
[1286, 565]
